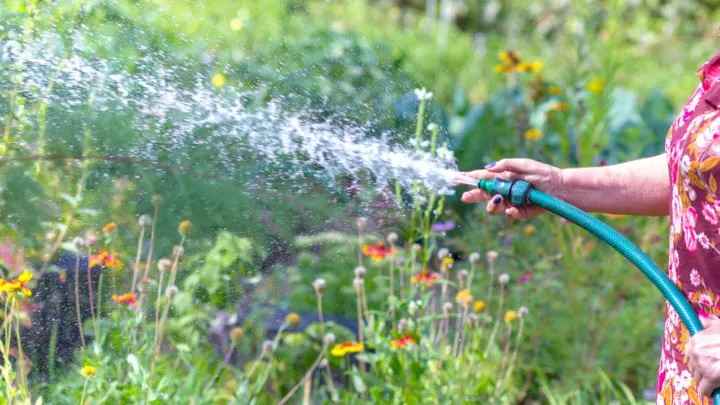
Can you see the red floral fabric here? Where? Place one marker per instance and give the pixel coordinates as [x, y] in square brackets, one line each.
[693, 152]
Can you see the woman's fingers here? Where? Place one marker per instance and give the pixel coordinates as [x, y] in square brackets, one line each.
[495, 205]
[475, 196]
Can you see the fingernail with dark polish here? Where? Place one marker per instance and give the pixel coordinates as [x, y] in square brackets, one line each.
[490, 165]
[497, 199]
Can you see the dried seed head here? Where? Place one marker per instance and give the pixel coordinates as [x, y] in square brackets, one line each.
[416, 247]
[400, 261]
[473, 319]
[79, 243]
[402, 325]
[360, 272]
[474, 257]
[323, 363]
[164, 265]
[144, 220]
[392, 238]
[329, 338]
[443, 253]
[358, 283]
[504, 278]
[447, 307]
[361, 223]
[91, 238]
[492, 256]
[462, 274]
[522, 312]
[156, 199]
[50, 236]
[171, 291]
[292, 319]
[319, 285]
[268, 347]
[178, 251]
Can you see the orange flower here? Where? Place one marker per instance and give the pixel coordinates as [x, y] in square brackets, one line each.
[125, 299]
[377, 251]
[105, 259]
[18, 284]
[425, 278]
[402, 342]
[109, 227]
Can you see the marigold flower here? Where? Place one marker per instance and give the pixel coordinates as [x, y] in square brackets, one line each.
[425, 278]
[596, 85]
[510, 316]
[184, 227]
[88, 371]
[18, 284]
[125, 299]
[109, 227]
[292, 319]
[479, 306]
[341, 349]
[533, 134]
[377, 251]
[529, 230]
[464, 297]
[402, 342]
[218, 80]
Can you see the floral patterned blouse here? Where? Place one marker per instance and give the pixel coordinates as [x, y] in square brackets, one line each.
[693, 151]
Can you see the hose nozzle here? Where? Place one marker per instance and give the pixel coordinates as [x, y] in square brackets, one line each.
[514, 191]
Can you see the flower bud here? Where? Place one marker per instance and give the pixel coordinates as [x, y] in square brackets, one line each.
[462, 274]
[473, 319]
[236, 334]
[510, 316]
[443, 253]
[416, 247]
[504, 278]
[447, 308]
[164, 265]
[329, 338]
[319, 285]
[268, 347]
[171, 291]
[178, 251]
[292, 319]
[156, 199]
[474, 257]
[523, 312]
[79, 243]
[184, 227]
[492, 256]
[360, 272]
[144, 220]
[91, 238]
[392, 238]
[479, 306]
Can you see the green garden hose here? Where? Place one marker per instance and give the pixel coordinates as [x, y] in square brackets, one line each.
[520, 192]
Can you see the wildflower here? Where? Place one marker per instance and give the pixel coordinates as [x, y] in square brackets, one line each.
[218, 80]
[236, 334]
[377, 251]
[424, 278]
[341, 349]
[292, 319]
[510, 316]
[560, 106]
[319, 285]
[402, 342]
[18, 284]
[522, 312]
[479, 306]
[360, 272]
[446, 263]
[91, 238]
[533, 134]
[464, 297]
[184, 227]
[443, 226]
[533, 67]
[392, 238]
[164, 265]
[474, 257]
[109, 227]
[236, 24]
[492, 256]
[525, 277]
[504, 278]
[423, 95]
[529, 230]
[555, 90]
[144, 220]
[125, 299]
[79, 243]
[596, 85]
[105, 259]
[88, 371]
[329, 338]
[361, 223]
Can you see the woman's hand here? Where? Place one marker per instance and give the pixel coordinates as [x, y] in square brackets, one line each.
[703, 353]
[543, 176]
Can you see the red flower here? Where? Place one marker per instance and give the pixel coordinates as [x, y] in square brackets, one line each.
[402, 342]
[105, 259]
[377, 251]
[425, 278]
[125, 299]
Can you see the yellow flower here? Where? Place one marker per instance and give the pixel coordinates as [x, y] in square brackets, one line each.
[504, 68]
[236, 24]
[447, 263]
[17, 285]
[534, 67]
[561, 106]
[510, 316]
[218, 80]
[479, 306]
[292, 319]
[184, 227]
[529, 230]
[509, 57]
[341, 349]
[533, 134]
[555, 90]
[596, 85]
[88, 371]
[464, 297]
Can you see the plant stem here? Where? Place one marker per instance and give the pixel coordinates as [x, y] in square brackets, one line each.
[90, 290]
[506, 351]
[136, 266]
[320, 312]
[84, 391]
[21, 356]
[308, 373]
[513, 359]
[99, 304]
[226, 359]
[497, 321]
[77, 298]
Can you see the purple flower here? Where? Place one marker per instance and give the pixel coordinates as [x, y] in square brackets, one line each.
[443, 226]
[525, 277]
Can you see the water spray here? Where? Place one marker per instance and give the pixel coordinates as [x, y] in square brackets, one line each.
[521, 193]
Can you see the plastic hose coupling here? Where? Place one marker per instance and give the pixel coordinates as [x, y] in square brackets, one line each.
[514, 191]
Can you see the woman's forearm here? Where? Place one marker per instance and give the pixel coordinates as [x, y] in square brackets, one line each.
[638, 187]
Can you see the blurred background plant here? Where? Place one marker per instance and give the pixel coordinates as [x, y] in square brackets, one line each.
[568, 82]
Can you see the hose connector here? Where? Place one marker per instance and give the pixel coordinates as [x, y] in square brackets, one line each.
[514, 191]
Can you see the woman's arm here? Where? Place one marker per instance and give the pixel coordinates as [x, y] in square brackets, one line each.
[638, 187]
